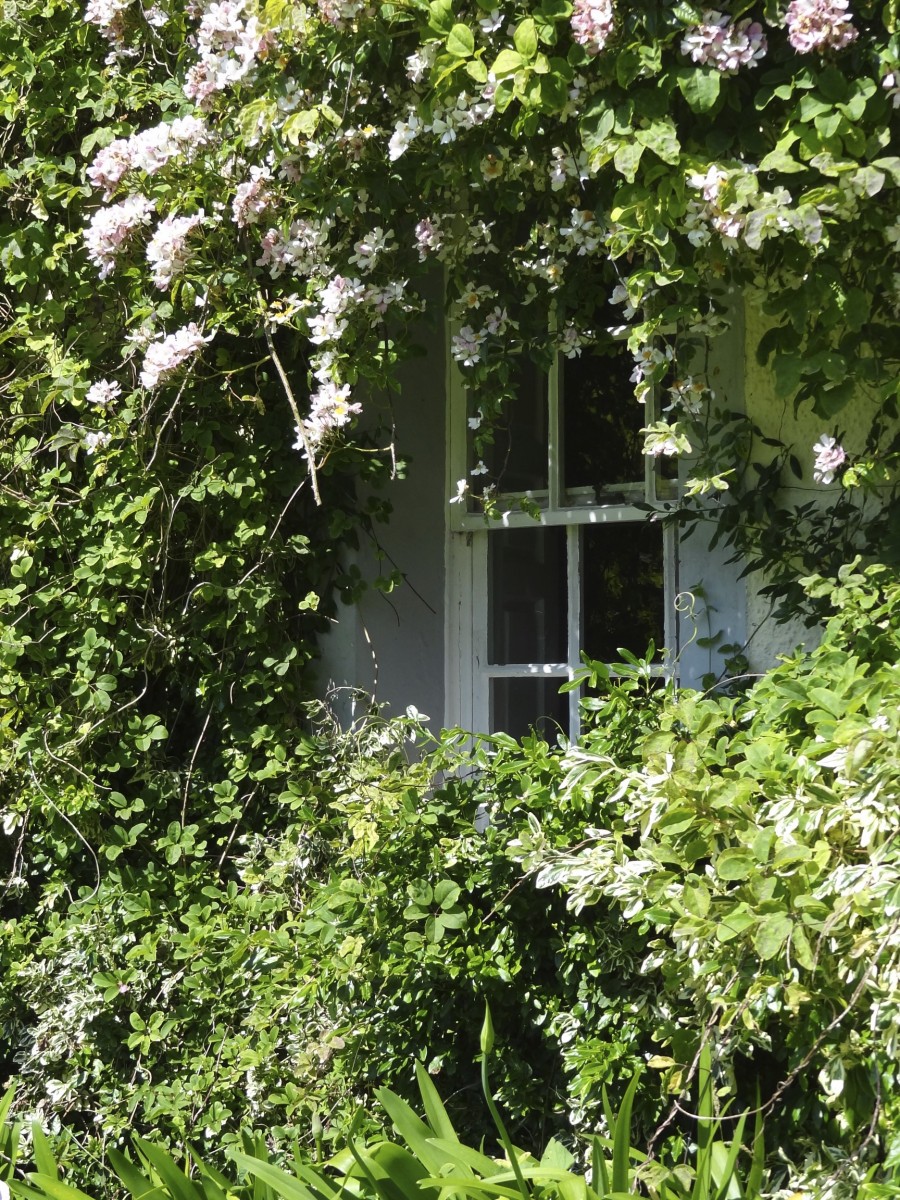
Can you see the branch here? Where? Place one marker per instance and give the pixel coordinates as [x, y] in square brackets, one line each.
[289, 392]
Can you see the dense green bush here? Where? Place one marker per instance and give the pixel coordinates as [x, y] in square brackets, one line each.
[280, 982]
[728, 874]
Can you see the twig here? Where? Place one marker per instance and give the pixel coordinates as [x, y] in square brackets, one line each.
[289, 392]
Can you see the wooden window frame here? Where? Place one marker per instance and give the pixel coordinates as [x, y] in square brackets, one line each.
[468, 673]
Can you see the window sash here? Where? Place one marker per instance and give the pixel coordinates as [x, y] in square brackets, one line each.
[469, 672]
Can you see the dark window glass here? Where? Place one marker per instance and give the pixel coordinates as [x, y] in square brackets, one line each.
[622, 588]
[527, 597]
[517, 458]
[602, 442]
[517, 705]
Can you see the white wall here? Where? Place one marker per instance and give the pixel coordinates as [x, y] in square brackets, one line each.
[392, 646]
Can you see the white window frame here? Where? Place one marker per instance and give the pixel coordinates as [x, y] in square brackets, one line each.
[468, 673]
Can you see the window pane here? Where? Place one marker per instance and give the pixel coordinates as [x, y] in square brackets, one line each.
[519, 704]
[622, 588]
[517, 459]
[527, 597]
[602, 421]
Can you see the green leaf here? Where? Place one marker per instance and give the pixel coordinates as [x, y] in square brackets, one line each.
[737, 863]
[800, 947]
[771, 934]
[627, 159]
[525, 39]
[662, 139]
[440, 16]
[300, 125]
[461, 42]
[700, 87]
[733, 924]
[507, 62]
[696, 899]
[446, 893]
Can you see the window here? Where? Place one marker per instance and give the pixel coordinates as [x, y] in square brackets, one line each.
[578, 567]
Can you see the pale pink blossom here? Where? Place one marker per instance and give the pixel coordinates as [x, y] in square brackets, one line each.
[369, 248]
[330, 408]
[147, 151]
[592, 23]
[300, 253]
[96, 439]
[724, 44]
[819, 25]
[111, 228]
[103, 392]
[252, 197]
[109, 17]
[429, 237]
[830, 457]
[339, 13]
[167, 250]
[229, 48]
[168, 352]
[466, 345]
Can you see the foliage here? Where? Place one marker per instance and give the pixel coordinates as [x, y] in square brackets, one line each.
[218, 225]
[241, 203]
[754, 848]
[728, 863]
[281, 982]
[432, 1159]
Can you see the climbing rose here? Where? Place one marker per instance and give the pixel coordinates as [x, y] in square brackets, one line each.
[830, 455]
[592, 23]
[819, 25]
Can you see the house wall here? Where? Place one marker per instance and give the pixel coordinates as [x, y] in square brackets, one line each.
[776, 418]
[712, 598]
[392, 646]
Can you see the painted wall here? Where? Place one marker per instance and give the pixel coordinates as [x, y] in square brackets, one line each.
[712, 598]
[392, 646]
[766, 639]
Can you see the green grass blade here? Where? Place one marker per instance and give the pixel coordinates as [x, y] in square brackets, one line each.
[758, 1155]
[599, 1173]
[415, 1133]
[464, 1158]
[6, 1105]
[724, 1162]
[706, 1126]
[435, 1113]
[42, 1153]
[280, 1181]
[52, 1187]
[134, 1180]
[171, 1176]
[476, 1187]
[621, 1165]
